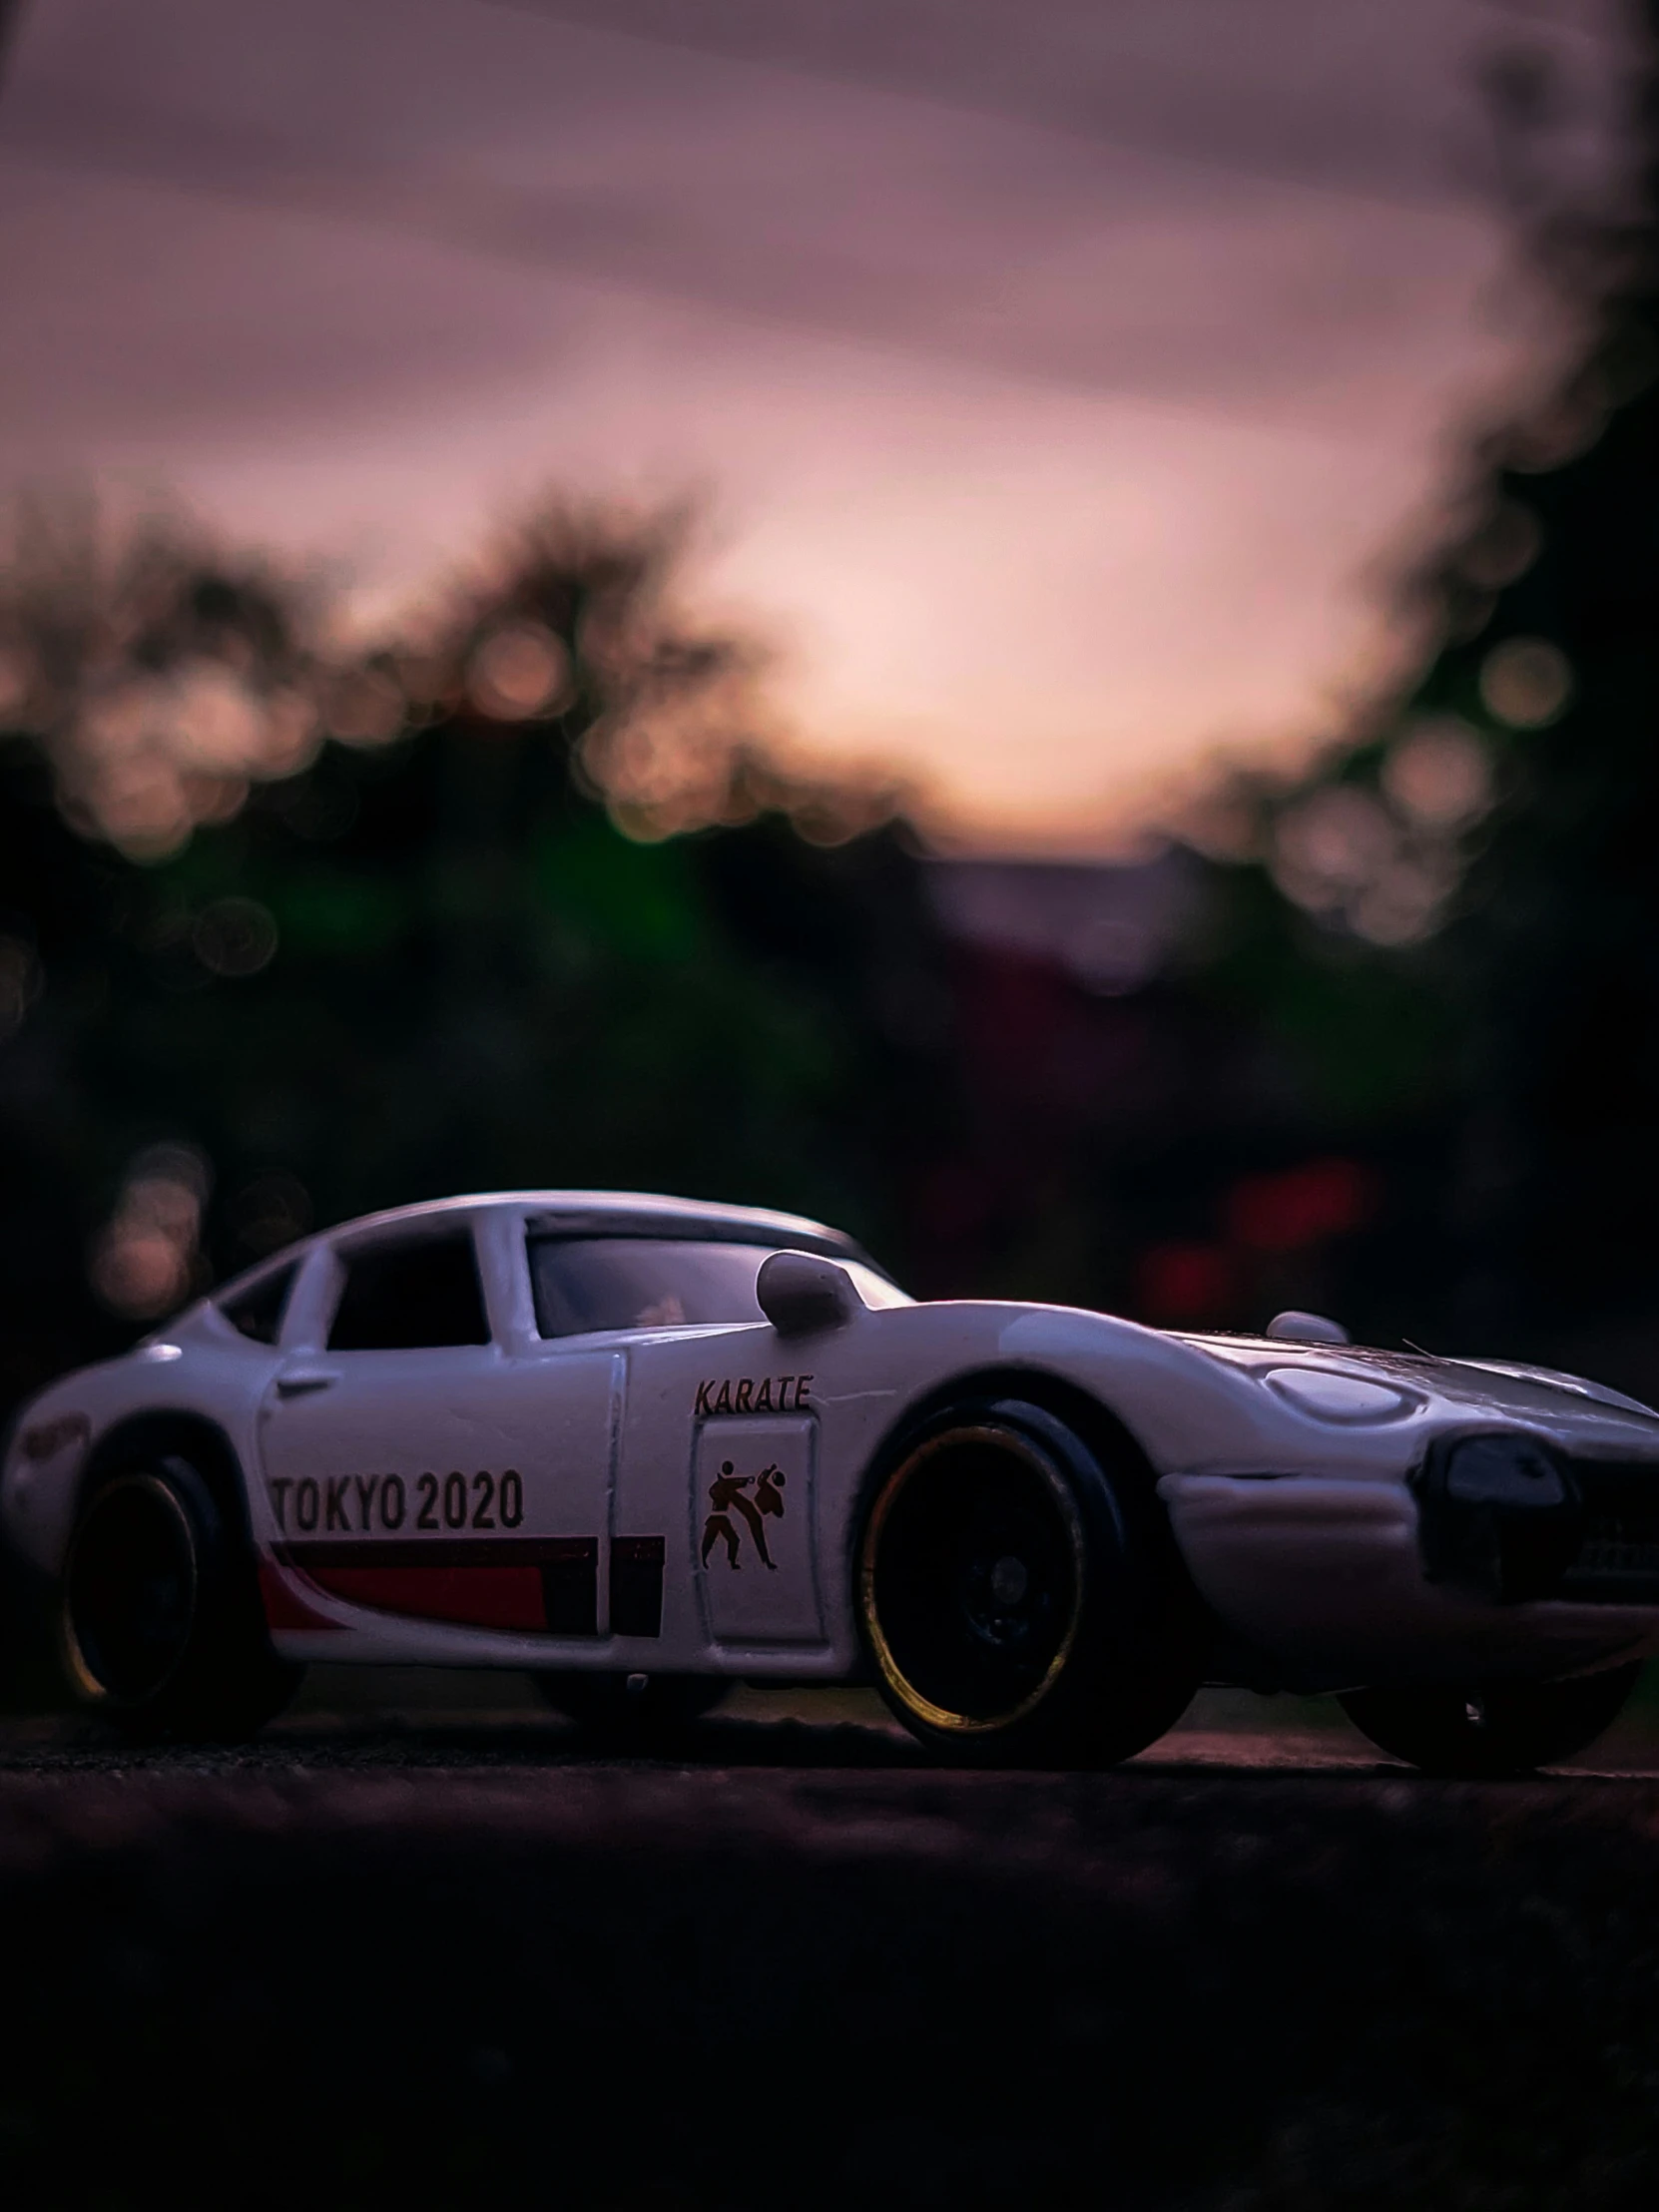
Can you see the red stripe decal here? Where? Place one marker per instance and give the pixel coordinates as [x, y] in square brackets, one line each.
[474, 1598]
[284, 1607]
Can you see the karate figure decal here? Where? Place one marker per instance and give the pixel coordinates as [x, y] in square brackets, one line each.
[725, 1496]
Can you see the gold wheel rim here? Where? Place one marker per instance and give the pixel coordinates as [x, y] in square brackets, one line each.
[82, 1680]
[908, 1696]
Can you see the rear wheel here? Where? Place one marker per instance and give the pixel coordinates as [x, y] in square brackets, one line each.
[631, 1708]
[159, 1614]
[1019, 1605]
[1494, 1729]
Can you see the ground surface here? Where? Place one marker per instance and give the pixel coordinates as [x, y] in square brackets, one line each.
[446, 1953]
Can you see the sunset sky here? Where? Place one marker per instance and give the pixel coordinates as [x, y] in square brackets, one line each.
[1062, 378]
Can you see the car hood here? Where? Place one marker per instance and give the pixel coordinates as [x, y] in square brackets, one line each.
[1485, 1385]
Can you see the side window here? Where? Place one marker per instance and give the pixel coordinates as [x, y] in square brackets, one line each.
[257, 1312]
[583, 1284]
[413, 1295]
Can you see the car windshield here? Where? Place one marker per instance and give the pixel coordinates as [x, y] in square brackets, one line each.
[584, 1283]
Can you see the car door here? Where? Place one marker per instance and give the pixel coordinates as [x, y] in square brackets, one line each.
[715, 1528]
[416, 1464]
[721, 1452]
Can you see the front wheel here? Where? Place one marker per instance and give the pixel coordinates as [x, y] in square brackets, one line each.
[1496, 1729]
[159, 1616]
[1021, 1606]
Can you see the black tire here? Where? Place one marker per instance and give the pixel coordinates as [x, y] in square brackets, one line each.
[1019, 1605]
[1496, 1728]
[160, 1621]
[633, 1709]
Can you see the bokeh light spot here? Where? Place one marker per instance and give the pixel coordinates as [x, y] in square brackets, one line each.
[519, 671]
[1332, 842]
[1525, 682]
[143, 1262]
[1504, 548]
[1439, 775]
[271, 1212]
[366, 706]
[235, 937]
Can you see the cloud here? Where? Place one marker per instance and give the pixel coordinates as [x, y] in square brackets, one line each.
[834, 206]
[1338, 92]
[1057, 372]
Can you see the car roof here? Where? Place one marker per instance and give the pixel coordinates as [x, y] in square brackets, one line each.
[615, 1213]
[588, 1213]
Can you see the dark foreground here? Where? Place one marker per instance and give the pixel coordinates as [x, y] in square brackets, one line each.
[467, 1962]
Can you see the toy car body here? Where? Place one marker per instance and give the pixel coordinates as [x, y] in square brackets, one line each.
[610, 1438]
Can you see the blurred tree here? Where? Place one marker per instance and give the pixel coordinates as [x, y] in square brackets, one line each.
[287, 933]
[1450, 924]
[519, 900]
[1552, 675]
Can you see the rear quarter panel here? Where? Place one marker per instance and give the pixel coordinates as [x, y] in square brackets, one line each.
[204, 1371]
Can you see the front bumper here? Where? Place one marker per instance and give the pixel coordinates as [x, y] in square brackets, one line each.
[1326, 1577]
[1512, 1518]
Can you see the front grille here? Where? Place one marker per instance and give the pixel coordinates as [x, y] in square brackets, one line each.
[1617, 1562]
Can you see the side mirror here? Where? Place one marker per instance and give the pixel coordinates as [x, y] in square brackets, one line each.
[801, 1293]
[1307, 1328]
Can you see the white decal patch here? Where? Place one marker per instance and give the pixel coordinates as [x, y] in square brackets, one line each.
[752, 1531]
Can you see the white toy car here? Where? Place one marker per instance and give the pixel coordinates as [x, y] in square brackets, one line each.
[641, 1447]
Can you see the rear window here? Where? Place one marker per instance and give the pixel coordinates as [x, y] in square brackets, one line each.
[584, 1283]
[414, 1294]
[257, 1311]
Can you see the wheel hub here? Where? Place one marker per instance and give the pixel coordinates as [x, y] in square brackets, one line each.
[1009, 1580]
[973, 1578]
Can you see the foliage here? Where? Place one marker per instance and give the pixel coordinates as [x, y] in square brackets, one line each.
[449, 948]
[524, 896]
[1451, 921]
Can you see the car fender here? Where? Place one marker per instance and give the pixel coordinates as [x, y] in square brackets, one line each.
[884, 1372]
[1184, 1411]
[65, 1434]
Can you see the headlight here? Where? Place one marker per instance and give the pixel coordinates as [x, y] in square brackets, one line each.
[1344, 1398]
